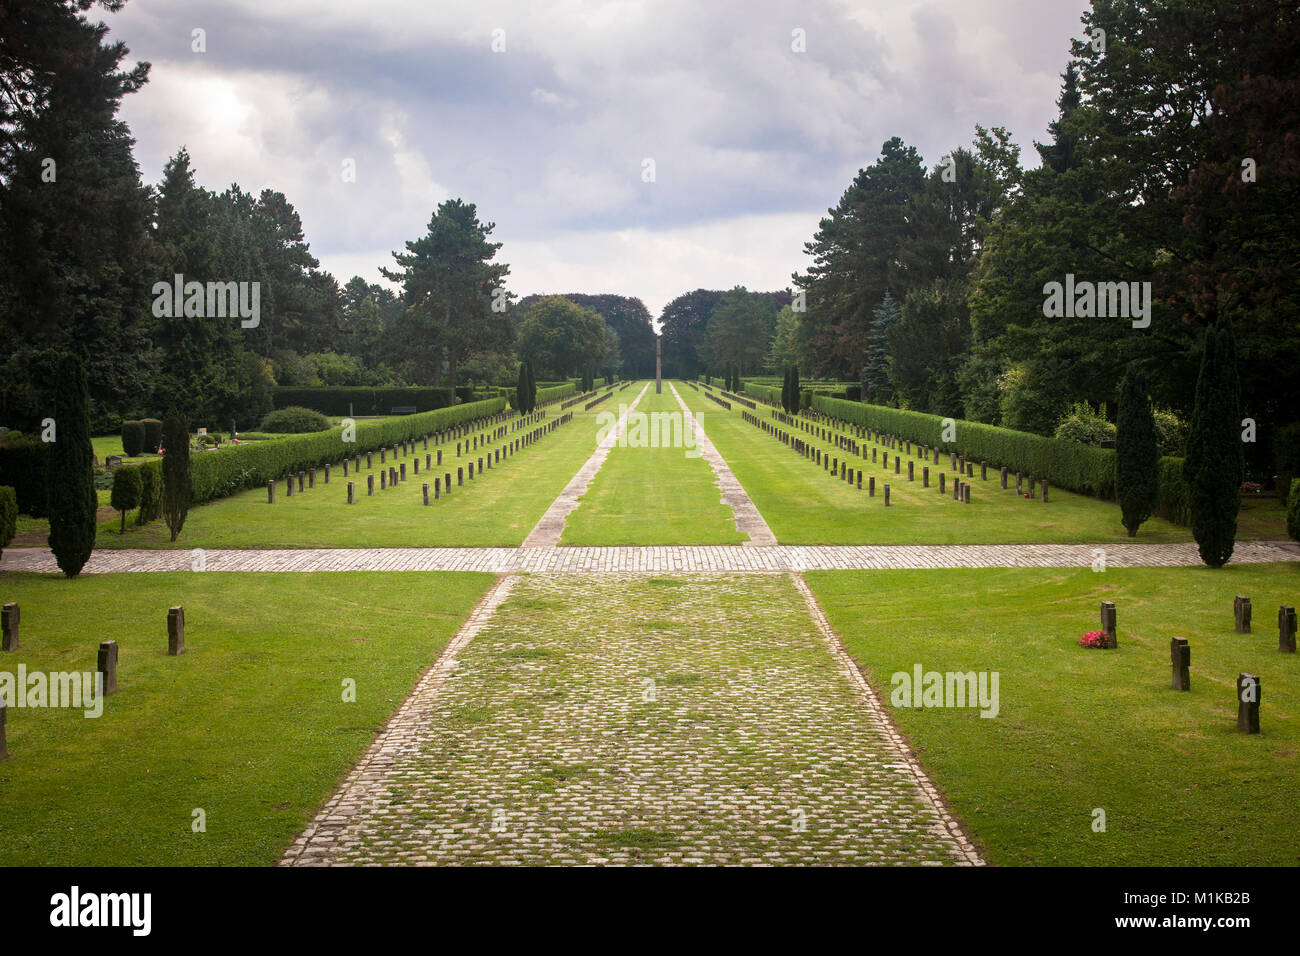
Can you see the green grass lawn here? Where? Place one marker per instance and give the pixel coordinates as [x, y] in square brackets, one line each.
[1080, 729]
[803, 504]
[497, 509]
[248, 725]
[651, 496]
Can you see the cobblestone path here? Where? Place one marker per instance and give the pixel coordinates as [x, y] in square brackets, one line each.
[666, 720]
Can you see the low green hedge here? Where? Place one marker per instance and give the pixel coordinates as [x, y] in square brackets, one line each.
[1171, 497]
[358, 400]
[216, 474]
[1066, 464]
[555, 392]
[763, 393]
[22, 467]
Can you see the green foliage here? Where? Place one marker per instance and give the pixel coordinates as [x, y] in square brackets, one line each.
[73, 503]
[1214, 465]
[150, 492]
[1171, 433]
[1286, 451]
[126, 491]
[553, 393]
[1292, 511]
[1027, 403]
[8, 516]
[1172, 499]
[24, 467]
[1084, 425]
[561, 338]
[366, 401]
[294, 420]
[520, 401]
[176, 473]
[133, 438]
[532, 389]
[766, 393]
[1136, 478]
[153, 431]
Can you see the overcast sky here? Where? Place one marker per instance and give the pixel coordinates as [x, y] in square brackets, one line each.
[751, 140]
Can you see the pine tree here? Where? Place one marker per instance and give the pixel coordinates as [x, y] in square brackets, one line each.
[1214, 463]
[73, 503]
[176, 472]
[1136, 455]
[875, 373]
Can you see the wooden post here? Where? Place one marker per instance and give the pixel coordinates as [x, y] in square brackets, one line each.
[460, 476]
[9, 627]
[871, 486]
[1108, 623]
[352, 493]
[327, 474]
[942, 477]
[1004, 477]
[1286, 629]
[1180, 656]
[437, 488]
[925, 476]
[370, 484]
[1044, 491]
[270, 492]
[107, 665]
[311, 478]
[1241, 613]
[1249, 692]
[886, 496]
[4, 747]
[176, 631]
[288, 488]
[426, 493]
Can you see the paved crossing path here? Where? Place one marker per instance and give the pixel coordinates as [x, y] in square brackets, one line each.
[701, 559]
[670, 721]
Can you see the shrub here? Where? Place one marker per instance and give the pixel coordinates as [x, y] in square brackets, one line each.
[1085, 426]
[126, 491]
[73, 504]
[1292, 510]
[765, 393]
[542, 396]
[365, 400]
[133, 439]
[1171, 433]
[1214, 466]
[23, 467]
[1136, 478]
[8, 516]
[150, 492]
[1286, 452]
[176, 473]
[152, 435]
[294, 420]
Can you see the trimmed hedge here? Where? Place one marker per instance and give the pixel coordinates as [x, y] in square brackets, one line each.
[294, 420]
[133, 438]
[367, 401]
[1172, 502]
[217, 474]
[23, 468]
[152, 435]
[555, 393]
[1066, 464]
[8, 516]
[150, 491]
[763, 393]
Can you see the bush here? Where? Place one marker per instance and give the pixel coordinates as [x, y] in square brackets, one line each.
[1136, 456]
[176, 473]
[366, 400]
[150, 492]
[73, 504]
[8, 516]
[294, 420]
[152, 435]
[23, 467]
[764, 393]
[133, 439]
[1085, 426]
[126, 491]
[1292, 511]
[1171, 433]
[853, 393]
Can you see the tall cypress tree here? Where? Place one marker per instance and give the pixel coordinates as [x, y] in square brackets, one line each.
[521, 390]
[72, 500]
[785, 390]
[532, 389]
[1136, 454]
[1215, 463]
[176, 472]
[796, 400]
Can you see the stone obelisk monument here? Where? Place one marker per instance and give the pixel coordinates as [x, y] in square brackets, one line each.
[659, 365]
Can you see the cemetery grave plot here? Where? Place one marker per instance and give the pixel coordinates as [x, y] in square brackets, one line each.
[1181, 777]
[804, 504]
[265, 661]
[497, 506]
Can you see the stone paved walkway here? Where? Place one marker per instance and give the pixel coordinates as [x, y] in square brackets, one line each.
[748, 520]
[671, 721]
[702, 559]
[550, 528]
